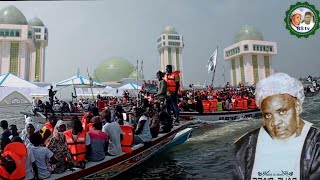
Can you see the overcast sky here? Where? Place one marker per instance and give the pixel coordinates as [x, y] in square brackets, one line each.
[85, 33]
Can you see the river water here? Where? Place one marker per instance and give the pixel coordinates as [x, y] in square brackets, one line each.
[208, 154]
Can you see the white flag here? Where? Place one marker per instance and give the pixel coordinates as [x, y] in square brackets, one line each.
[212, 61]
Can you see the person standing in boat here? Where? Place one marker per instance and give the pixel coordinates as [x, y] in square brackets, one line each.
[173, 85]
[51, 96]
[114, 132]
[162, 87]
[286, 147]
[142, 132]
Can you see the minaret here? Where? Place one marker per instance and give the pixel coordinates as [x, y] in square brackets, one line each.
[250, 57]
[170, 45]
[38, 63]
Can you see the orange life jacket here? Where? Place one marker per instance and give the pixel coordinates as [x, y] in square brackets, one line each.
[127, 140]
[86, 126]
[18, 152]
[170, 80]
[77, 148]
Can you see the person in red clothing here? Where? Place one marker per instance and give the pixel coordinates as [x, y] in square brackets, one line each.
[86, 121]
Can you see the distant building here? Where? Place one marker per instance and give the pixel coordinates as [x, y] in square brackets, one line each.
[22, 45]
[170, 45]
[250, 57]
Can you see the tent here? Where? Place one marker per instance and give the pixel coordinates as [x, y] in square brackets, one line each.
[87, 93]
[130, 86]
[78, 81]
[10, 80]
[15, 91]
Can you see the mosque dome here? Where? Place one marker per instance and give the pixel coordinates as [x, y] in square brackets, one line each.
[133, 75]
[113, 69]
[248, 33]
[35, 22]
[12, 15]
[169, 30]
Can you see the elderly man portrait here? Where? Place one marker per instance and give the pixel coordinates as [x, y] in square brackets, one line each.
[286, 146]
[296, 19]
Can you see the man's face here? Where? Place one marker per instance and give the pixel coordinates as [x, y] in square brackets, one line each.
[13, 129]
[62, 128]
[169, 69]
[307, 19]
[30, 129]
[88, 118]
[296, 19]
[159, 76]
[281, 115]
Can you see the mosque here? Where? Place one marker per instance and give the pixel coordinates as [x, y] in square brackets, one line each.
[250, 57]
[22, 45]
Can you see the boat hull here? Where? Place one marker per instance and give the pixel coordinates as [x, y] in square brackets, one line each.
[112, 168]
[224, 115]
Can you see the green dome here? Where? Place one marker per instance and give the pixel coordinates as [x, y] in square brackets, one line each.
[113, 69]
[12, 15]
[248, 33]
[133, 75]
[35, 22]
[169, 30]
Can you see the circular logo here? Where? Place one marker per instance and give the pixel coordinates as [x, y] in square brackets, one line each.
[302, 19]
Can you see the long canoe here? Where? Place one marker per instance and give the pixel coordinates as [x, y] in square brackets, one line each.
[212, 116]
[113, 166]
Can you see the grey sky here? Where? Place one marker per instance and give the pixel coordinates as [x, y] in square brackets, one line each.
[84, 33]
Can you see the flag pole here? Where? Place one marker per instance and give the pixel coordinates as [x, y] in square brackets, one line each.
[214, 71]
[137, 79]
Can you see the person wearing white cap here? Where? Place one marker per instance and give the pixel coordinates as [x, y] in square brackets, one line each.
[296, 19]
[286, 146]
[307, 23]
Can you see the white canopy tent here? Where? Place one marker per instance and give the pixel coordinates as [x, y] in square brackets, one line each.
[79, 81]
[130, 86]
[14, 90]
[87, 93]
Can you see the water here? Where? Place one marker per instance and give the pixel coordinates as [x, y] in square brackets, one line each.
[209, 152]
[207, 155]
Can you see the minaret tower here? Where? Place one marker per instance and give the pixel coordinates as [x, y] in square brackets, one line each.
[250, 57]
[170, 45]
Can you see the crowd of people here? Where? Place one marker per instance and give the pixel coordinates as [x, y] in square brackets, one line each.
[58, 146]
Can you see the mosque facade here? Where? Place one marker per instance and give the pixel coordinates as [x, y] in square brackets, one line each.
[170, 45]
[250, 57]
[22, 45]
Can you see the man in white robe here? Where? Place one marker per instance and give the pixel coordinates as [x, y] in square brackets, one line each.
[286, 147]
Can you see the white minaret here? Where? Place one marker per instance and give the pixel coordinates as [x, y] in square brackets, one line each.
[22, 45]
[170, 45]
[250, 57]
[41, 36]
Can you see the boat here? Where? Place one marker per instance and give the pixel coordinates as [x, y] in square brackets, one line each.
[212, 116]
[223, 115]
[113, 166]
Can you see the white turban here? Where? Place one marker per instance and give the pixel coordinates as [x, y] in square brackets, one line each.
[279, 83]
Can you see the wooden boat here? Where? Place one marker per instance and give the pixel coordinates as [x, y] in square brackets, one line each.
[112, 166]
[212, 116]
[223, 115]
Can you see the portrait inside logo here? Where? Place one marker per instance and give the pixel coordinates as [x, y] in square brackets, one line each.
[302, 20]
